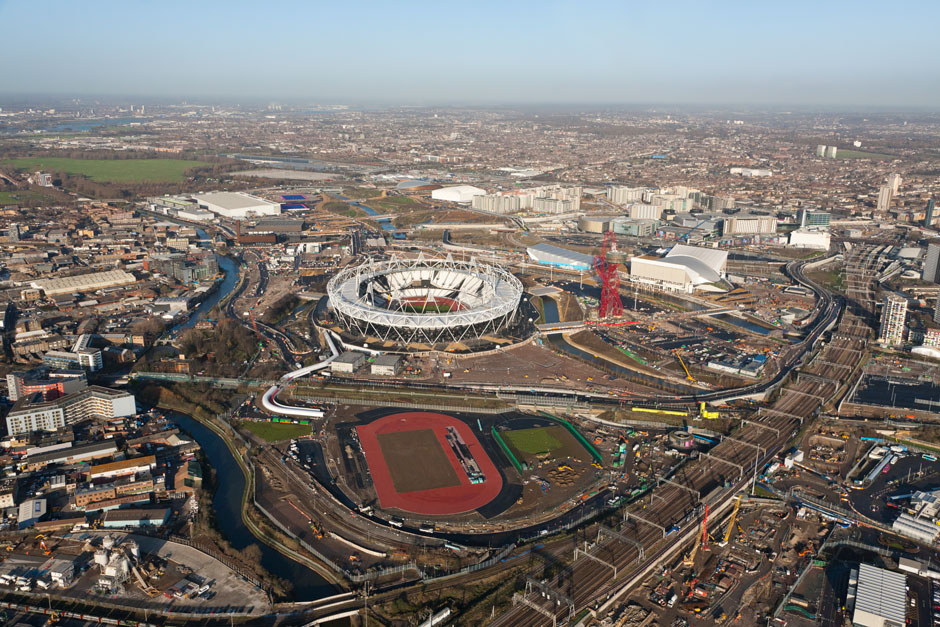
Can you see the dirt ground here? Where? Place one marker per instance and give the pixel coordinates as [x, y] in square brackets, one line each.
[416, 461]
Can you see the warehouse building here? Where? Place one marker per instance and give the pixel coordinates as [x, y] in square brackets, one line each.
[880, 598]
[683, 269]
[386, 365]
[744, 224]
[237, 205]
[119, 518]
[84, 282]
[460, 194]
[805, 238]
[348, 363]
[556, 256]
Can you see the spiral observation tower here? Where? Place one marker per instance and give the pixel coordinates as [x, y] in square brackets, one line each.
[408, 301]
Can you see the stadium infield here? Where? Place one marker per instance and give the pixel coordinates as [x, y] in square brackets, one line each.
[415, 470]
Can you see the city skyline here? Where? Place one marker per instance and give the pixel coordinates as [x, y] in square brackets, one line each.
[742, 54]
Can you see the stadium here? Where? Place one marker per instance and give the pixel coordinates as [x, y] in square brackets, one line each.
[408, 301]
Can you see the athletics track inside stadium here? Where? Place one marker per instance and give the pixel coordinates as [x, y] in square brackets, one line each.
[457, 499]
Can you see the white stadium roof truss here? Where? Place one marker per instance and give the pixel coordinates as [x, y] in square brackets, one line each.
[372, 299]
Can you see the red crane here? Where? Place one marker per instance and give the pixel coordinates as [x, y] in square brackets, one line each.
[705, 529]
[611, 305]
[255, 325]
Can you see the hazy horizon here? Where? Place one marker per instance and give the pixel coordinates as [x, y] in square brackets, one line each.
[747, 55]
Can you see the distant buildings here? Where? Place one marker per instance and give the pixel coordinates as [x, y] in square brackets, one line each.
[894, 182]
[806, 238]
[884, 198]
[821, 150]
[750, 172]
[644, 212]
[621, 195]
[893, 316]
[461, 194]
[743, 224]
[550, 199]
[237, 205]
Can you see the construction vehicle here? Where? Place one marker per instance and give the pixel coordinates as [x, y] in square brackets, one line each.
[704, 413]
[688, 375]
[731, 522]
[42, 544]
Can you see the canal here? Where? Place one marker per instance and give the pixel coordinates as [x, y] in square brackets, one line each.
[227, 502]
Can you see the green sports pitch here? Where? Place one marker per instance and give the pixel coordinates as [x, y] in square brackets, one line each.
[535, 441]
[111, 170]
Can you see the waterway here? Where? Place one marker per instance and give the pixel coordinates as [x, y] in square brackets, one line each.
[744, 324]
[226, 285]
[227, 502]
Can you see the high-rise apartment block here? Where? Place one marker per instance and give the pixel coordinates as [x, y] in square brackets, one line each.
[893, 316]
[821, 150]
[884, 198]
[932, 263]
[621, 195]
[894, 182]
[831, 152]
[928, 214]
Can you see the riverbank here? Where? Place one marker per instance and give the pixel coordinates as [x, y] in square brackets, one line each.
[236, 485]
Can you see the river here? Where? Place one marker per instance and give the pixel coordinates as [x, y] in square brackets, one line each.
[308, 585]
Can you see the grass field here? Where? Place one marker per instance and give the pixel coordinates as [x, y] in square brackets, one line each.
[429, 308]
[416, 461]
[394, 204]
[275, 431]
[858, 154]
[15, 198]
[534, 441]
[112, 171]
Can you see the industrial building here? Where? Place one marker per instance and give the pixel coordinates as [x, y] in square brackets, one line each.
[237, 205]
[557, 256]
[84, 282]
[348, 363]
[893, 316]
[880, 598]
[744, 224]
[683, 269]
[805, 238]
[461, 194]
[386, 365]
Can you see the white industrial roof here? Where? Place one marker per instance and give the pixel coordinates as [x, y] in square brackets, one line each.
[881, 593]
[232, 200]
[84, 282]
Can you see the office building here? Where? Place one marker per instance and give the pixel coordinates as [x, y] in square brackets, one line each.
[928, 214]
[831, 152]
[814, 219]
[893, 316]
[931, 271]
[884, 198]
[633, 226]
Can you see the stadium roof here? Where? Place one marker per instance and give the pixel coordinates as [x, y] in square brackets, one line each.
[881, 594]
[557, 256]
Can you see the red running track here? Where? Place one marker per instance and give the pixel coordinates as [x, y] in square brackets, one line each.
[439, 501]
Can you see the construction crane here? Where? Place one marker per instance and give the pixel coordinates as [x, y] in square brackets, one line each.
[254, 324]
[701, 541]
[734, 517]
[688, 375]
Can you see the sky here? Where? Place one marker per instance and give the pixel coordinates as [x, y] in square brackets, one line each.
[821, 53]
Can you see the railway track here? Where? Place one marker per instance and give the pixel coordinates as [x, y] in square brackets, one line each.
[713, 478]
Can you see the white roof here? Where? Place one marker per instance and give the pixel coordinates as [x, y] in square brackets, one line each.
[881, 593]
[546, 253]
[232, 200]
[457, 193]
[712, 257]
[84, 282]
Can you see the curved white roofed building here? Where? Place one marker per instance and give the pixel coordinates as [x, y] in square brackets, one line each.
[683, 269]
[424, 300]
[462, 194]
